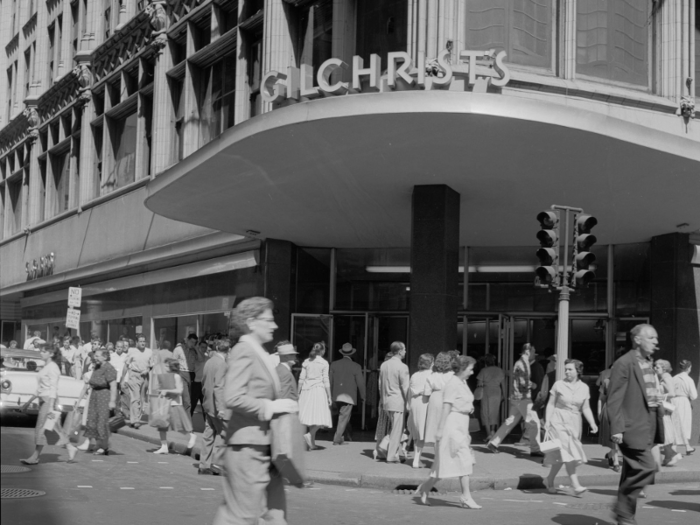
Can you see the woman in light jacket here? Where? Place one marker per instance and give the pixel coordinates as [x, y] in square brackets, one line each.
[315, 394]
[685, 392]
[418, 405]
[47, 392]
[442, 373]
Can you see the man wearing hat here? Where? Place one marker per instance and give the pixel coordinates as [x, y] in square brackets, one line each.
[288, 356]
[346, 379]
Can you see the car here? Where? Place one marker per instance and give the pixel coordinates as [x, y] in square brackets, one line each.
[18, 384]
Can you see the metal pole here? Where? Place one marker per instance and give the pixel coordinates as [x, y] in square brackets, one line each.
[563, 331]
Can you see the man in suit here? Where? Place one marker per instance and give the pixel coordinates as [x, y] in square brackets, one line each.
[346, 379]
[254, 489]
[215, 412]
[393, 388]
[287, 355]
[635, 419]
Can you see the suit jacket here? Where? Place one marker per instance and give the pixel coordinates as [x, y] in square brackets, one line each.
[393, 384]
[346, 379]
[251, 385]
[213, 382]
[627, 406]
[288, 385]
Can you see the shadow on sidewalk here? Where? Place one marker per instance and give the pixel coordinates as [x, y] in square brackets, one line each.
[675, 505]
[578, 519]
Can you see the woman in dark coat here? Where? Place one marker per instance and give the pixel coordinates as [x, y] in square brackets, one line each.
[102, 400]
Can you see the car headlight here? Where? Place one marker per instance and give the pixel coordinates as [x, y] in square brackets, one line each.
[6, 386]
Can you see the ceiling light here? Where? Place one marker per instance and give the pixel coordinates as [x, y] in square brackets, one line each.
[472, 269]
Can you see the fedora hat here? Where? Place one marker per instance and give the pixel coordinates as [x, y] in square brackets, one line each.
[286, 350]
[347, 349]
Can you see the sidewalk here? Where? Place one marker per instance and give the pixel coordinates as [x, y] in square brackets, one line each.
[352, 464]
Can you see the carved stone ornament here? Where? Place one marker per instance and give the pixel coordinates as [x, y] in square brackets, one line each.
[82, 72]
[32, 117]
[159, 42]
[85, 97]
[158, 16]
[686, 108]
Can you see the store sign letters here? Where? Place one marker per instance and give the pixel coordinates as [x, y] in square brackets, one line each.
[478, 68]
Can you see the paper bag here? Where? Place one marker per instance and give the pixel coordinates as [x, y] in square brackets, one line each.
[288, 448]
[166, 381]
[159, 412]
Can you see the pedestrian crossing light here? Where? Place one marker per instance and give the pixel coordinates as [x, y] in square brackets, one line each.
[548, 271]
[583, 258]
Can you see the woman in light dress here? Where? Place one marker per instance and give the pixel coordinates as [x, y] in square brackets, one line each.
[442, 373]
[418, 405]
[315, 394]
[667, 387]
[491, 380]
[454, 457]
[568, 399]
[682, 417]
[179, 419]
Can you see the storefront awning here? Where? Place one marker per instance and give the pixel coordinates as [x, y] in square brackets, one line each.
[340, 171]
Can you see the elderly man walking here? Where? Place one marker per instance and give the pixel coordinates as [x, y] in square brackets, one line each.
[393, 387]
[636, 421]
[346, 379]
[215, 412]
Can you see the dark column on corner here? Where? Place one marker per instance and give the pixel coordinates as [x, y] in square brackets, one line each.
[675, 296]
[279, 272]
[434, 270]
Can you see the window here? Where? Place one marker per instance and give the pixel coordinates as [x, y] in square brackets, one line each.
[75, 27]
[107, 18]
[613, 40]
[697, 48]
[522, 28]
[255, 73]
[60, 167]
[2, 208]
[382, 27]
[15, 215]
[51, 54]
[218, 88]
[59, 38]
[178, 113]
[314, 37]
[27, 71]
[9, 92]
[97, 132]
[123, 169]
[41, 208]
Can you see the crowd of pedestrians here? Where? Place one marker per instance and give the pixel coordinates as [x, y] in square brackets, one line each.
[644, 412]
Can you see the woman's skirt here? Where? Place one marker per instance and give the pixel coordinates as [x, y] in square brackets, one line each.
[179, 420]
[490, 407]
[313, 407]
[669, 430]
[417, 417]
[682, 419]
[432, 419]
[453, 454]
[566, 426]
[97, 423]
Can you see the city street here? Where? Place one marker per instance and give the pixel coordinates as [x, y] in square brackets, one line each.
[134, 486]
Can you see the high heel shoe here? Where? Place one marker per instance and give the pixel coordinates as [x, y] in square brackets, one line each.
[101, 452]
[422, 495]
[72, 451]
[469, 503]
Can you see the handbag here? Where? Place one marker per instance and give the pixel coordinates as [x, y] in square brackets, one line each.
[669, 407]
[550, 443]
[479, 392]
[50, 423]
[287, 446]
[159, 411]
[116, 421]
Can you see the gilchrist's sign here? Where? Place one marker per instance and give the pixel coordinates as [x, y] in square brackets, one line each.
[477, 68]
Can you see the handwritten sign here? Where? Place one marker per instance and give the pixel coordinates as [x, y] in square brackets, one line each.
[75, 295]
[73, 318]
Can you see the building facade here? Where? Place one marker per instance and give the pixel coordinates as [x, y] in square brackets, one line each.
[373, 166]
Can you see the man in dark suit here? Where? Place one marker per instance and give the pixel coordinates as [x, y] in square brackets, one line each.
[288, 385]
[635, 419]
[346, 379]
[215, 412]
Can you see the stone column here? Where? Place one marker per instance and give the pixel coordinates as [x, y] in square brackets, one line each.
[34, 201]
[675, 296]
[65, 64]
[278, 52]
[89, 186]
[434, 270]
[278, 270]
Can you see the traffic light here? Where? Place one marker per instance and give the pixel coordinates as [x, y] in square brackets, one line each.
[548, 254]
[583, 258]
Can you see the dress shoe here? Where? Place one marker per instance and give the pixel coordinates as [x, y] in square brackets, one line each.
[536, 454]
[468, 503]
[205, 472]
[136, 425]
[493, 448]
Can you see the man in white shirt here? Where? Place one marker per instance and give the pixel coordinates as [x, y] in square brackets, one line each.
[68, 353]
[118, 358]
[29, 343]
[393, 387]
[137, 364]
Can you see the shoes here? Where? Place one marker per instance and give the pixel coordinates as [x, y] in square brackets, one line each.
[162, 450]
[205, 472]
[549, 488]
[307, 438]
[192, 442]
[101, 452]
[689, 452]
[423, 496]
[339, 442]
[579, 491]
[72, 451]
[62, 442]
[136, 425]
[468, 503]
[493, 448]
[536, 454]
[675, 459]
[642, 494]
[29, 461]
[85, 446]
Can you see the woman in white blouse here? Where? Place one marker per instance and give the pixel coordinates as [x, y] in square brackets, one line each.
[684, 392]
[418, 405]
[47, 392]
[442, 373]
[315, 394]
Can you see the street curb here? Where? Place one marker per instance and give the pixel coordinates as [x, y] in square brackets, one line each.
[359, 480]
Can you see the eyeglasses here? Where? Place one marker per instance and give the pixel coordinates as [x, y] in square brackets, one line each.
[266, 319]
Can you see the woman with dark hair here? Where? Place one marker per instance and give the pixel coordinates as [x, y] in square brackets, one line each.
[103, 399]
[418, 405]
[568, 399]
[315, 394]
[685, 392]
[491, 379]
[442, 373]
[454, 457]
[178, 418]
[47, 393]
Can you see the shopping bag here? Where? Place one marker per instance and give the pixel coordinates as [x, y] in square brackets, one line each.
[50, 423]
[73, 421]
[116, 421]
[550, 444]
[288, 448]
[159, 411]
